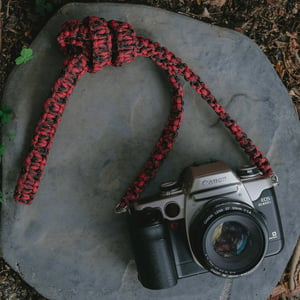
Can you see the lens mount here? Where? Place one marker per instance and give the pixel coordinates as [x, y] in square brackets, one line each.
[229, 238]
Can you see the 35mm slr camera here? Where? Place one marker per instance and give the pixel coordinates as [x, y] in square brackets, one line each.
[209, 220]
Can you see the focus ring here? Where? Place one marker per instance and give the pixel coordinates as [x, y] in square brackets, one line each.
[220, 215]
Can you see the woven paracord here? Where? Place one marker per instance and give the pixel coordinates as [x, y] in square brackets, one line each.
[91, 45]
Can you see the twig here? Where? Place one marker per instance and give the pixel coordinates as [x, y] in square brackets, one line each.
[11, 29]
[1, 24]
[7, 8]
[294, 263]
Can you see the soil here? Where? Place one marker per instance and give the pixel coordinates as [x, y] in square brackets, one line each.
[273, 25]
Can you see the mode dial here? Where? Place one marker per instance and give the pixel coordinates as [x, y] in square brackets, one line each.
[170, 188]
[248, 172]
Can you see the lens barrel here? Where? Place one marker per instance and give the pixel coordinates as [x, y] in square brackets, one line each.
[228, 237]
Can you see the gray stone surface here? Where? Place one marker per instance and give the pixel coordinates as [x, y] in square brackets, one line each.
[68, 244]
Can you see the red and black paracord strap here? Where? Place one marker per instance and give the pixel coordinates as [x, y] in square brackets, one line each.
[91, 45]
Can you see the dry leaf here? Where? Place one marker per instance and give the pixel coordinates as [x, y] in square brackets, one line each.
[238, 29]
[280, 69]
[205, 13]
[291, 35]
[218, 3]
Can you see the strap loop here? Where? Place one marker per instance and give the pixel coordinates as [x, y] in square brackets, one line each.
[91, 45]
[102, 43]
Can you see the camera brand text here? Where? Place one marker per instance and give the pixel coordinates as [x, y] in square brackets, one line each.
[214, 181]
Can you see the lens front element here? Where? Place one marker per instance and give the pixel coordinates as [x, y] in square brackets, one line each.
[228, 238]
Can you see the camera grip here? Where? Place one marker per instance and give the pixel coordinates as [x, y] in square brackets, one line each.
[152, 251]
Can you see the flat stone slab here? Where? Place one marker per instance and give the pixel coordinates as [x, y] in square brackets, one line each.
[69, 244]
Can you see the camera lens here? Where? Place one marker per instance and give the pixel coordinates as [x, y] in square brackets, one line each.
[228, 237]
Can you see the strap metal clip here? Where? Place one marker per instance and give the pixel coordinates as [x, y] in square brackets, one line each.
[274, 179]
[120, 209]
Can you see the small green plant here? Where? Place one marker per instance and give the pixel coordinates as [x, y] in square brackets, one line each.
[1, 197]
[25, 56]
[2, 148]
[11, 136]
[5, 117]
[5, 114]
[43, 7]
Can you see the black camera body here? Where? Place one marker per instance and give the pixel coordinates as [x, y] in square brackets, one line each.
[209, 220]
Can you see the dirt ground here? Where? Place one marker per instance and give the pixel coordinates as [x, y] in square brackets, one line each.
[273, 25]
